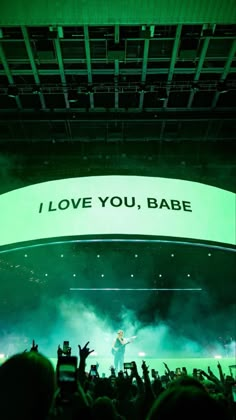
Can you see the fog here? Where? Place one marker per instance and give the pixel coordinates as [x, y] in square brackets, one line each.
[184, 333]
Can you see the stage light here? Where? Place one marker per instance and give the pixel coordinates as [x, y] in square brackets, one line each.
[73, 96]
[36, 90]
[102, 275]
[162, 289]
[25, 255]
[98, 256]
[74, 275]
[209, 254]
[172, 255]
[162, 94]
[46, 274]
[222, 88]
[188, 275]
[89, 90]
[217, 356]
[195, 86]
[136, 256]
[2, 356]
[142, 88]
[131, 275]
[62, 255]
[141, 354]
[160, 275]
[12, 91]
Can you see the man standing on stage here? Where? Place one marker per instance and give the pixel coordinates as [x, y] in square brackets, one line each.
[118, 351]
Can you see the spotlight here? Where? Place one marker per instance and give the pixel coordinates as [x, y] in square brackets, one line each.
[89, 89]
[195, 86]
[162, 94]
[73, 96]
[12, 91]
[36, 90]
[142, 88]
[222, 88]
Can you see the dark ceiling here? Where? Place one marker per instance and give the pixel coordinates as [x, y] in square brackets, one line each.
[148, 99]
[86, 83]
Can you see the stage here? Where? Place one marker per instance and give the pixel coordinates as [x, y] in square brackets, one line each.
[158, 364]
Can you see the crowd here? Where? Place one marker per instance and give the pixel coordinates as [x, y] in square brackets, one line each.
[31, 389]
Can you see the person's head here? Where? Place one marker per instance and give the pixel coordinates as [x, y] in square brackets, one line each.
[187, 381]
[103, 408]
[120, 333]
[187, 402]
[27, 386]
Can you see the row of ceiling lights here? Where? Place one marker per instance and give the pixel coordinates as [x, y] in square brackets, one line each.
[161, 89]
[131, 275]
[135, 255]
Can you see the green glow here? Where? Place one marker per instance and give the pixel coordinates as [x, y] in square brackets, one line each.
[28, 12]
[139, 290]
[118, 205]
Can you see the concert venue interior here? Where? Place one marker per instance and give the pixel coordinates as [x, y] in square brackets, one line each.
[128, 91]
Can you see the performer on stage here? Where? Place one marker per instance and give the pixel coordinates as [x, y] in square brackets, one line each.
[118, 350]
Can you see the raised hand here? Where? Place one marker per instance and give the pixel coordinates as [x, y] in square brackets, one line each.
[134, 369]
[145, 368]
[85, 351]
[34, 347]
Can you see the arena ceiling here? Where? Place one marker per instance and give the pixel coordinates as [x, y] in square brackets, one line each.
[106, 90]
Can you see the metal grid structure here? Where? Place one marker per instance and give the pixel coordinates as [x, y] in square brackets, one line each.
[117, 73]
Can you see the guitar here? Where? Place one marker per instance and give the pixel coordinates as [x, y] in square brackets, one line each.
[121, 347]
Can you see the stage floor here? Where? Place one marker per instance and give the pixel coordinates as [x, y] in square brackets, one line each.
[105, 364]
[158, 364]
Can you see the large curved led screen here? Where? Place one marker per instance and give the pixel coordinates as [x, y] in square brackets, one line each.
[117, 205]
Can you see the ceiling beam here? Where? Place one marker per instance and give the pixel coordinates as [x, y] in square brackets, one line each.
[8, 73]
[226, 71]
[173, 61]
[117, 34]
[32, 63]
[150, 115]
[116, 84]
[123, 72]
[88, 62]
[61, 68]
[117, 67]
[199, 69]
[144, 70]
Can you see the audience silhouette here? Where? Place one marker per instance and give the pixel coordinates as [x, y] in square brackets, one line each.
[31, 389]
